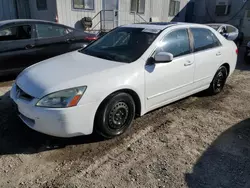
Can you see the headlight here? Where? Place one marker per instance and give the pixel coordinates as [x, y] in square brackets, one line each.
[62, 99]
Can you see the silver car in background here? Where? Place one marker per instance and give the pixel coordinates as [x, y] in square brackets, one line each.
[228, 31]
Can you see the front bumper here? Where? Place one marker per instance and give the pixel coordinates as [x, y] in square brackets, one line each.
[59, 122]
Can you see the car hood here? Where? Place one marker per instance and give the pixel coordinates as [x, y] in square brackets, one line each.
[62, 72]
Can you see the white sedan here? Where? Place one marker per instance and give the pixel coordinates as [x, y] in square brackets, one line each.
[130, 71]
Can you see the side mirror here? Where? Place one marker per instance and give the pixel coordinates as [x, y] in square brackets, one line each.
[163, 57]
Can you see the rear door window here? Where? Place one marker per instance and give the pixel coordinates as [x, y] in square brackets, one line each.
[204, 39]
[176, 43]
[20, 32]
[49, 31]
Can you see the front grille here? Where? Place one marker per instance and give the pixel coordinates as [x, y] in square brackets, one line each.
[22, 95]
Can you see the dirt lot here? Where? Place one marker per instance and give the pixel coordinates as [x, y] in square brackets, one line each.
[197, 142]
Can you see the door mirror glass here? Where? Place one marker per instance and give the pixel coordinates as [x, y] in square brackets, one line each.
[163, 57]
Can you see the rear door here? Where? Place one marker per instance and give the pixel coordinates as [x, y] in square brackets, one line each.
[16, 47]
[52, 40]
[208, 55]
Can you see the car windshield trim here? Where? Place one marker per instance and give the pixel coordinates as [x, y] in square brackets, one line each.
[123, 44]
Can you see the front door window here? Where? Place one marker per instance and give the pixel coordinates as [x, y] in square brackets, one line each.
[176, 43]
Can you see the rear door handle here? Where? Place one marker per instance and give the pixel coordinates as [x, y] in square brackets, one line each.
[188, 63]
[218, 53]
[29, 46]
[70, 40]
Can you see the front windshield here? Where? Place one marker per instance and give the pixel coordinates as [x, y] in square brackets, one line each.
[122, 44]
[216, 27]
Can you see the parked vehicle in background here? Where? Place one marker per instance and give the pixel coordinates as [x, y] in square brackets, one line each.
[229, 32]
[247, 53]
[129, 71]
[25, 42]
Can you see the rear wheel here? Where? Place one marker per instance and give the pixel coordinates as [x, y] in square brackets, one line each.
[115, 115]
[219, 81]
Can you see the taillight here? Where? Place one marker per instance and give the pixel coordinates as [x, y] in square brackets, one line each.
[237, 51]
[90, 38]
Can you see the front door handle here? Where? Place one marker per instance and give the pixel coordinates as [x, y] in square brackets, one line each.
[29, 46]
[188, 63]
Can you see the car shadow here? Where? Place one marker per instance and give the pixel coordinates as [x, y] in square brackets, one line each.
[17, 138]
[226, 163]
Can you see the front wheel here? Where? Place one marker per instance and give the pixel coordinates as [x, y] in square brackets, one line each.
[115, 115]
[219, 81]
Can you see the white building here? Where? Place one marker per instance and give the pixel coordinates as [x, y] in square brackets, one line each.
[106, 14]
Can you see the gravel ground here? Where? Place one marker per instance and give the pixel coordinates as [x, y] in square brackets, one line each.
[201, 141]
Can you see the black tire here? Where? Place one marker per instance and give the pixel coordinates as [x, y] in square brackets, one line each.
[115, 115]
[219, 81]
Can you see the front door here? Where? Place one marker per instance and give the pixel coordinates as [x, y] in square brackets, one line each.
[17, 47]
[246, 24]
[165, 82]
[109, 16]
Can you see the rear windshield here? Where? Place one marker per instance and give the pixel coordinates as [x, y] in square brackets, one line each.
[122, 44]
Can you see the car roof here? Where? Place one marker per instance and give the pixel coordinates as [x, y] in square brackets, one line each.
[26, 20]
[160, 25]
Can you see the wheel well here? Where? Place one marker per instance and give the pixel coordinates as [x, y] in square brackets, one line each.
[133, 94]
[227, 67]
